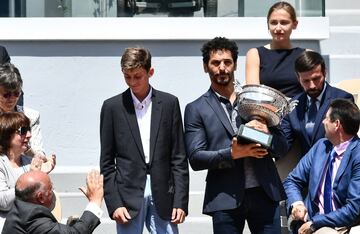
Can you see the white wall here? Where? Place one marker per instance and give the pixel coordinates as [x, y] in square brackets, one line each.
[68, 81]
[70, 66]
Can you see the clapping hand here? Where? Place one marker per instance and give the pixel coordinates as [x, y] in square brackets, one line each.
[44, 164]
[48, 164]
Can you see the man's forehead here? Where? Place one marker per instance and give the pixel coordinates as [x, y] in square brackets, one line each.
[221, 54]
[328, 112]
[316, 71]
[134, 70]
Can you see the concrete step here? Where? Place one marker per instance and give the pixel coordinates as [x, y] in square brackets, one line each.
[344, 17]
[190, 226]
[74, 204]
[70, 179]
[343, 40]
[344, 52]
[344, 67]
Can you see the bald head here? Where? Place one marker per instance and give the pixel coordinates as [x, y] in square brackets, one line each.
[34, 187]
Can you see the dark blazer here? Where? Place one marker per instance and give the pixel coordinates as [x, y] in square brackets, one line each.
[346, 189]
[4, 56]
[208, 135]
[31, 218]
[293, 124]
[122, 160]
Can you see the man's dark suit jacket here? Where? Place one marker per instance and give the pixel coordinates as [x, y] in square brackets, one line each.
[29, 218]
[208, 135]
[293, 124]
[4, 56]
[122, 159]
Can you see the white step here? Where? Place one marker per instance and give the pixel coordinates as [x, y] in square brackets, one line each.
[69, 180]
[342, 41]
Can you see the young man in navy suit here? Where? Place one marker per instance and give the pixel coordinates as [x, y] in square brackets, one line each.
[331, 172]
[242, 182]
[143, 159]
[311, 71]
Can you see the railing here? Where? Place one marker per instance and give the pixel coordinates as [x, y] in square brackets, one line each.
[138, 8]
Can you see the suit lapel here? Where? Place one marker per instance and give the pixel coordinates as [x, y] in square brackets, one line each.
[214, 103]
[300, 113]
[345, 160]
[324, 104]
[155, 122]
[132, 121]
[320, 161]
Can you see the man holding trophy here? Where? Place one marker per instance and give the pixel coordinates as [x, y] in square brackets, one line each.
[242, 180]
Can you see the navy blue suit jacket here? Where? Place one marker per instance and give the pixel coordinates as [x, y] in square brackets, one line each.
[293, 124]
[346, 188]
[122, 159]
[208, 135]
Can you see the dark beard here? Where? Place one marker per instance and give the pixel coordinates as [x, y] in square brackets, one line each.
[221, 81]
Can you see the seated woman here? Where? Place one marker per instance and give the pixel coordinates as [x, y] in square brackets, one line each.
[15, 135]
[10, 91]
[273, 64]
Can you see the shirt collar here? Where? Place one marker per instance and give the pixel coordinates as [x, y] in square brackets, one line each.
[220, 98]
[146, 102]
[341, 148]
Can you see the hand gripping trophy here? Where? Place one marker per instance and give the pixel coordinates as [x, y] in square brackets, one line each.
[263, 103]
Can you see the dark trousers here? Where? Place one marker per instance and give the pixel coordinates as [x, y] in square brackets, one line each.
[261, 213]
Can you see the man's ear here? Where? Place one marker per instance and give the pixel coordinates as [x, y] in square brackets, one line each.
[338, 124]
[151, 72]
[40, 197]
[205, 66]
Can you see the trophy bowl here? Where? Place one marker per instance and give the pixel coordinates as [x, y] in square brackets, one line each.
[256, 101]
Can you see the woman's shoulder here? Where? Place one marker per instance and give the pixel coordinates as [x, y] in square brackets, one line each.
[300, 49]
[32, 114]
[30, 111]
[252, 53]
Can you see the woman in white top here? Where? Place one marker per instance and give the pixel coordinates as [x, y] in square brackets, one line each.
[15, 135]
[10, 91]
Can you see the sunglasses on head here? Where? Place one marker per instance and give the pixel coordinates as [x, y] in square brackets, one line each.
[8, 95]
[23, 130]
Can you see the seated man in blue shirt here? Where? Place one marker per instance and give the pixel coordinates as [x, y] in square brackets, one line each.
[331, 171]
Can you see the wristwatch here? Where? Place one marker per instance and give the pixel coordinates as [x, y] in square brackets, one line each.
[312, 227]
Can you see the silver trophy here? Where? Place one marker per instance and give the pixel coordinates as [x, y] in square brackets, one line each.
[260, 102]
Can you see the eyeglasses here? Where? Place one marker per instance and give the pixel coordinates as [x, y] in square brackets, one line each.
[8, 95]
[23, 130]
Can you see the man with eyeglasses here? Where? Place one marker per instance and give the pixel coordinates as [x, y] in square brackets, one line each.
[10, 91]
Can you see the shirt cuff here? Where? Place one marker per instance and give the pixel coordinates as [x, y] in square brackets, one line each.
[297, 203]
[95, 209]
